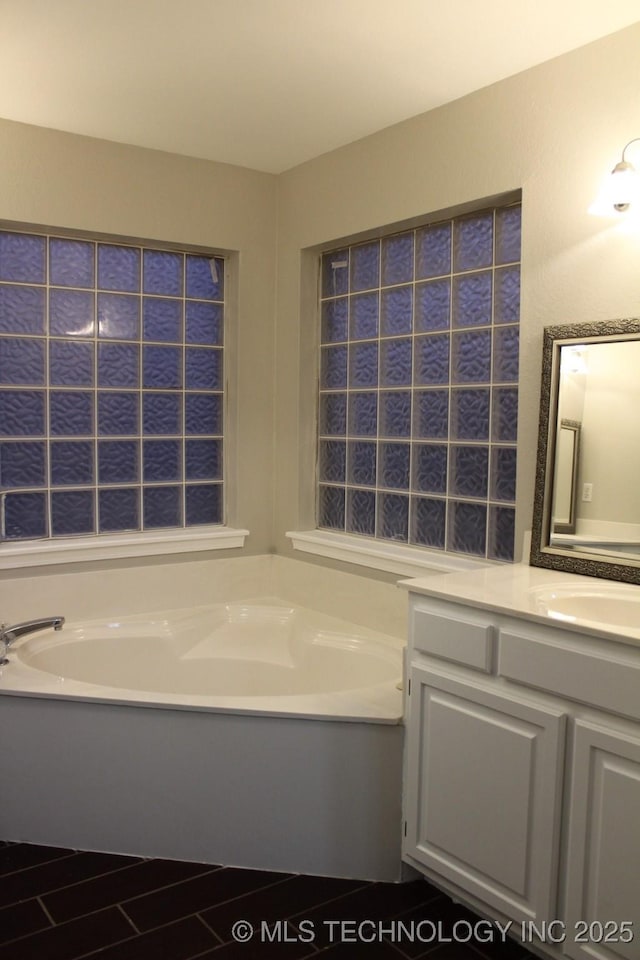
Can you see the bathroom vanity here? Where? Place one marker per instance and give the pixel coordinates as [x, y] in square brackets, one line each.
[522, 764]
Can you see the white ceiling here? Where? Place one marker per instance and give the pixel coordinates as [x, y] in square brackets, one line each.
[269, 84]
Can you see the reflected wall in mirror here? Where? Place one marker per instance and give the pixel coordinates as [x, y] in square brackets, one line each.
[587, 497]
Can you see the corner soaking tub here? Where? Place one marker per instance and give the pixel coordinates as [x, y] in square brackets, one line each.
[250, 734]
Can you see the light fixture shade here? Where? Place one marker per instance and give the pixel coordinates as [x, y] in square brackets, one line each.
[623, 186]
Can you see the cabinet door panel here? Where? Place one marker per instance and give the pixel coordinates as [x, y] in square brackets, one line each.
[603, 885]
[483, 792]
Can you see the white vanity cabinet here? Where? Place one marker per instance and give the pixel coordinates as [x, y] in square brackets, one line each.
[522, 773]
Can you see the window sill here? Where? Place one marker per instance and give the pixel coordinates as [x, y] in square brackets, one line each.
[394, 558]
[38, 553]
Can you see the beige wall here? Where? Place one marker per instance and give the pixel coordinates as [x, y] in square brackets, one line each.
[552, 131]
[61, 180]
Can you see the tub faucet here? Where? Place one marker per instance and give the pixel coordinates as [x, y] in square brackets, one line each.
[9, 634]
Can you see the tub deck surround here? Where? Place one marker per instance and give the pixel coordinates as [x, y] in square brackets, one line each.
[530, 592]
[306, 781]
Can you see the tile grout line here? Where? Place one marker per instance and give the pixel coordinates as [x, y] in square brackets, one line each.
[127, 918]
[45, 911]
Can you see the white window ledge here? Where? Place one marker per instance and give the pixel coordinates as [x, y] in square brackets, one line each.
[38, 553]
[394, 558]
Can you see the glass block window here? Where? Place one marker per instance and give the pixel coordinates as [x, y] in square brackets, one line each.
[418, 397]
[111, 387]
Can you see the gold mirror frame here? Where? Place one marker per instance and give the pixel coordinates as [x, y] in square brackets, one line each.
[542, 553]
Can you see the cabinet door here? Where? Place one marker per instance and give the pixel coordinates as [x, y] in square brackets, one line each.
[483, 791]
[603, 871]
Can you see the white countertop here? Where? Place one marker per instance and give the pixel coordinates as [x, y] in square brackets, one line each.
[528, 592]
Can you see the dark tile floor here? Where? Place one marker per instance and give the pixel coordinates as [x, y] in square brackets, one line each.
[62, 904]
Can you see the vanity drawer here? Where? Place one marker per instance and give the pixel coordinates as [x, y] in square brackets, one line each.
[594, 672]
[465, 638]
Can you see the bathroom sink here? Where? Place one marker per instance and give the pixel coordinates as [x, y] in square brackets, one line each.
[617, 607]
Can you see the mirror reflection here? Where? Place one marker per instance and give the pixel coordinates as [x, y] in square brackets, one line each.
[587, 510]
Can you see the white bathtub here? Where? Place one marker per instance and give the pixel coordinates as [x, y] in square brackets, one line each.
[274, 742]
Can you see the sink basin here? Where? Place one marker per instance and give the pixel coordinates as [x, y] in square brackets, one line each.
[607, 606]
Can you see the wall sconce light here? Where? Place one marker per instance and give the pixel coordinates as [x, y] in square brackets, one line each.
[624, 182]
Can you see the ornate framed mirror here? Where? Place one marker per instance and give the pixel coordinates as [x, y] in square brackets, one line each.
[586, 516]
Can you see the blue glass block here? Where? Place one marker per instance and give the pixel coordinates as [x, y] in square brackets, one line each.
[162, 507]
[21, 413]
[72, 512]
[117, 414]
[162, 319]
[433, 306]
[118, 461]
[118, 365]
[71, 313]
[506, 354]
[25, 516]
[333, 368]
[22, 309]
[433, 251]
[470, 414]
[118, 268]
[472, 301]
[430, 467]
[503, 474]
[395, 362]
[162, 273]
[471, 357]
[331, 508]
[22, 464]
[162, 413]
[335, 273]
[203, 459]
[205, 278]
[473, 242]
[361, 512]
[71, 263]
[428, 522]
[203, 503]
[22, 258]
[118, 509]
[203, 413]
[394, 465]
[363, 365]
[162, 368]
[333, 414]
[431, 414]
[396, 307]
[469, 473]
[505, 414]
[162, 460]
[70, 364]
[71, 463]
[203, 368]
[363, 414]
[332, 456]
[22, 361]
[502, 528]
[71, 413]
[364, 316]
[507, 295]
[397, 259]
[362, 463]
[432, 358]
[205, 323]
[393, 519]
[395, 414]
[118, 316]
[333, 322]
[365, 266]
[508, 227]
[467, 528]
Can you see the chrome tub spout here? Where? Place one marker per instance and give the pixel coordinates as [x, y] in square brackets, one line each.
[10, 633]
